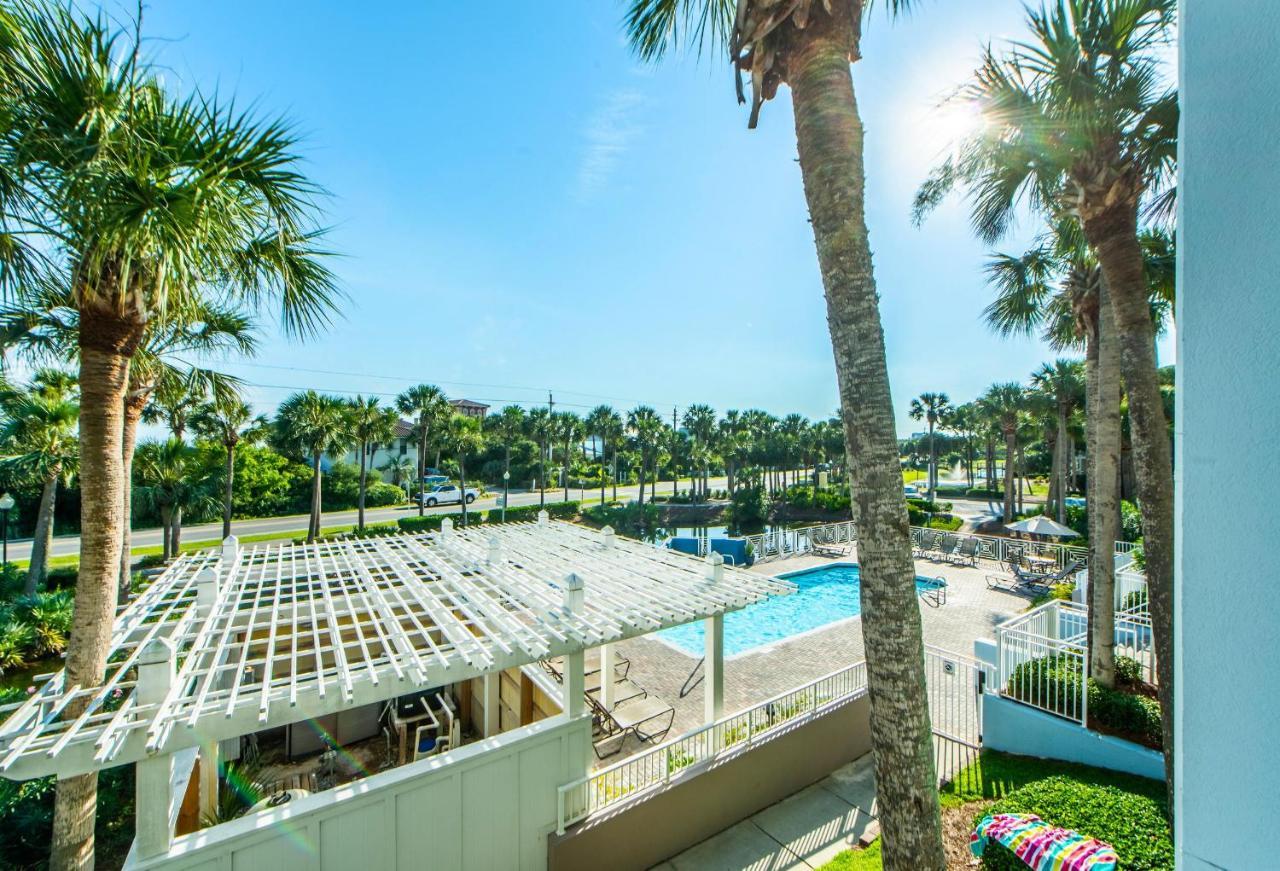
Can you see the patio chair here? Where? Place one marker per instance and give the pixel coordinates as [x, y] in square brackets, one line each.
[632, 718]
[623, 690]
[967, 552]
[948, 544]
[917, 541]
[1019, 581]
[823, 543]
[928, 548]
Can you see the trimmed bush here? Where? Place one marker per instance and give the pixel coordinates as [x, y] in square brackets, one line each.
[1054, 682]
[526, 513]
[1133, 823]
[380, 493]
[431, 522]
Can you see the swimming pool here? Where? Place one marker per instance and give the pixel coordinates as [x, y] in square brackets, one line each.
[823, 595]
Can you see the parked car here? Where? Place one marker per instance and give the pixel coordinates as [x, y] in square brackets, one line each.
[446, 494]
[911, 491]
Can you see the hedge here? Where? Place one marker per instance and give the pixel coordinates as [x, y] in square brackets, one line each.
[431, 522]
[556, 510]
[1133, 823]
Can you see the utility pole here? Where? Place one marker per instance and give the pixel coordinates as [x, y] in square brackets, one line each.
[675, 441]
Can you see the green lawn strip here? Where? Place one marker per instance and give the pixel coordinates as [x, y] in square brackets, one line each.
[993, 776]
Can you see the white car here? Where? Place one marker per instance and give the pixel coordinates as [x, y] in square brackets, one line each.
[446, 494]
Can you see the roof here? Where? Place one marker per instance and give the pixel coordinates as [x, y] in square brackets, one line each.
[278, 633]
[467, 403]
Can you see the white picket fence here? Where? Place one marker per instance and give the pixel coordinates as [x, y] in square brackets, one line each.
[657, 766]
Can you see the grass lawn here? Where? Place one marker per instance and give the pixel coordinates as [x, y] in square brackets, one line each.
[992, 777]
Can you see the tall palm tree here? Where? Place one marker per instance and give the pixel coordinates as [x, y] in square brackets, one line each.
[172, 477]
[541, 426]
[1062, 383]
[1005, 404]
[428, 406]
[371, 425]
[646, 427]
[606, 425]
[700, 422]
[809, 46]
[228, 420]
[507, 428]
[463, 436]
[400, 469]
[1081, 119]
[569, 431]
[39, 442]
[1058, 288]
[934, 408]
[315, 424]
[963, 422]
[155, 204]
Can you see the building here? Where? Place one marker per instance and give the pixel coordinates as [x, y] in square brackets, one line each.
[403, 445]
[470, 408]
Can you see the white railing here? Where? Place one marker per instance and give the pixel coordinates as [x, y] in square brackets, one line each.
[778, 543]
[1125, 546]
[1042, 656]
[683, 756]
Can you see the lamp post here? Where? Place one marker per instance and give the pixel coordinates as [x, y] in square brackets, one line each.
[6, 505]
[506, 480]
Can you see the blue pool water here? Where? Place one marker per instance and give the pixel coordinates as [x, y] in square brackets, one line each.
[823, 595]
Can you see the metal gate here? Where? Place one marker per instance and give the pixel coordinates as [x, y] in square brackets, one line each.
[955, 683]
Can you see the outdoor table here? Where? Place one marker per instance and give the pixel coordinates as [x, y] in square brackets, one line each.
[1041, 563]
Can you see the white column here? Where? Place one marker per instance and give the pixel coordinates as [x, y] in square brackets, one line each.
[543, 517]
[492, 700]
[446, 529]
[713, 668]
[575, 682]
[154, 778]
[607, 690]
[609, 537]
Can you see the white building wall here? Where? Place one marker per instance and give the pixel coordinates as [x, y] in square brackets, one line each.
[485, 806]
[1227, 629]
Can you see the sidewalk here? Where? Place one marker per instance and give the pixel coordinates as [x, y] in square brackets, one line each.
[806, 830]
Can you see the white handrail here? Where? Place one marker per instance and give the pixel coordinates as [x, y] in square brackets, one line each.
[655, 767]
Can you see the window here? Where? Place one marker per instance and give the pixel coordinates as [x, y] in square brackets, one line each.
[404, 447]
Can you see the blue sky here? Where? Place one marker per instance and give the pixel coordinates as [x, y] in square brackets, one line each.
[520, 205]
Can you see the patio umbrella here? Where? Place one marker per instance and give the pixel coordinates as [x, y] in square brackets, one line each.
[1041, 525]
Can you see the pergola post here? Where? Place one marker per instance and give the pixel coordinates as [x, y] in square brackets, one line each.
[492, 702]
[713, 668]
[495, 550]
[446, 529]
[713, 661]
[154, 776]
[543, 517]
[608, 691]
[575, 682]
[230, 551]
[207, 583]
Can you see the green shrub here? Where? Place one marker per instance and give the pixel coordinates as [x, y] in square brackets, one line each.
[27, 810]
[1126, 712]
[1133, 823]
[930, 507]
[431, 522]
[1053, 682]
[749, 508]
[380, 493]
[526, 513]
[1133, 600]
[944, 522]
[626, 519]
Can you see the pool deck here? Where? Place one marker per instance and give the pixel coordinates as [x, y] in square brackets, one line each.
[972, 612]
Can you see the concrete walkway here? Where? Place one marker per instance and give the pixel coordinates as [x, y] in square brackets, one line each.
[806, 830]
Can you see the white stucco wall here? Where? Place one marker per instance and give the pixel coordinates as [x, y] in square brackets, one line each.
[1228, 427]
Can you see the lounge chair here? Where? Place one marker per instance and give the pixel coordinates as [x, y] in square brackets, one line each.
[634, 717]
[1019, 581]
[828, 547]
[948, 544]
[967, 552]
[623, 690]
[928, 548]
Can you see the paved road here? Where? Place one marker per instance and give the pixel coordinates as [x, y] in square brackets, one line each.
[70, 544]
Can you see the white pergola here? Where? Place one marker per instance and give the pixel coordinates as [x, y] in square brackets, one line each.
[230, 642]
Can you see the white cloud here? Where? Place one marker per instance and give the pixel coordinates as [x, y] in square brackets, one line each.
[607, 135]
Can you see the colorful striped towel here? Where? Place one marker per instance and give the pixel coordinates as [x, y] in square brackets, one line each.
[1042, 846]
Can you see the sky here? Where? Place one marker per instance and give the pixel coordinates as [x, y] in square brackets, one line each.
[519, 206]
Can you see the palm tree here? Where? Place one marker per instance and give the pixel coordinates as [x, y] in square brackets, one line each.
[569, 430]
[39, 442]
[462, 436]
[507, 427]
[1062, 383]
[427, 404]
[228, 420]
[171, 478]
[935, 408]
[606, 425]
[809, 46]
[646, 427]
[371, 425]
[963, 422]
[1058, 287]
[542, 430]
[700, 422]
[158, 203]
[400, 469]
[314, 425]
[1081, 120]
[1005, 404]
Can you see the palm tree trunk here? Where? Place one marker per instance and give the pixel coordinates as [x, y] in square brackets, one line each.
[1060, 463]
[615, 474]
[176, 533]
[642, 483]
[129, 441]
[422, 470]
[830, 140]
[1102, 380]
[462, 480]
[166, 539]
[229, 492]
[106, 345]
[313, 527]
[1115, 239]
[542, 475]
[1010, 466]
[42, 539]
[933, 463]
[364, 452]
[565, 482]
